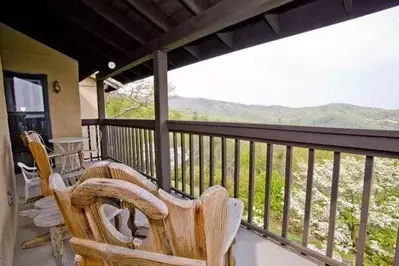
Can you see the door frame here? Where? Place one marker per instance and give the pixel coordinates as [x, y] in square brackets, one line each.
[45, 92]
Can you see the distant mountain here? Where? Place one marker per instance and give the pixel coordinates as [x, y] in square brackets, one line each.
[330, 115]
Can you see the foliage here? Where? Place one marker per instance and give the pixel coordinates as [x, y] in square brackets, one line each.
[136, 101]
[384, 203]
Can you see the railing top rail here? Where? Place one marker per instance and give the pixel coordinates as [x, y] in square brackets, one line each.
[137, 123]
[310, 129]
[90, 122]
[359, 141]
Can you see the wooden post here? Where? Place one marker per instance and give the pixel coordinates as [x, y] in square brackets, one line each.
[162, 156]
[101, 117]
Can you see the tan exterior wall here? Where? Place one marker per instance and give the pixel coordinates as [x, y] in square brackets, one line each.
[20, 53]
[88, 98]
[23, 54]
[8, 213]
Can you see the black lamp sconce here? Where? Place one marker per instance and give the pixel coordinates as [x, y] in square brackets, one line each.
[56, 86]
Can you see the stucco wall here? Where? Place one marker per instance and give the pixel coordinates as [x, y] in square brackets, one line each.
[23, 54]
[88, 98]
[8, 213]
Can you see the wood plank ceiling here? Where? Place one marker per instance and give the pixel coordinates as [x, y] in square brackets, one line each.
[95, 32]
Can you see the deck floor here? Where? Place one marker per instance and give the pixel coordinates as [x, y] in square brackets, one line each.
[250, 249]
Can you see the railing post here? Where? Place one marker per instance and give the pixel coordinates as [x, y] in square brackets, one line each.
[101, 117]
[162, 154]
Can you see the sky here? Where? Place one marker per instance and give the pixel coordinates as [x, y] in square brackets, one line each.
[355, 62]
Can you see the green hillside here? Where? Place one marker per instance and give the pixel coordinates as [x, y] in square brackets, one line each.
[331, 115]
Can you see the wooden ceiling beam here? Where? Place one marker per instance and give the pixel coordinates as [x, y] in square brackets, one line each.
[226, 38]
[152, 13]
[155, 15]
[348, 5]
[116, 18]
[274, 22]
[191, 6]
[195, 9]
[88, 26]
[220, 16]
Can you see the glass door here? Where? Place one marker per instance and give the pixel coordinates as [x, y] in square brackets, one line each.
[27, 108]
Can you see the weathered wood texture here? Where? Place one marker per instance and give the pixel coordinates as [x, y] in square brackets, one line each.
[95, 251]
[40, 156]
[197, 228]
[194, 229]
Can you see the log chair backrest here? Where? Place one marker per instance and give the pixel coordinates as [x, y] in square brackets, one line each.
[196, 228]
[40, 155]
[124, 172]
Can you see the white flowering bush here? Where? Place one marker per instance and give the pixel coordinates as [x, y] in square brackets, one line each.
[383, 210]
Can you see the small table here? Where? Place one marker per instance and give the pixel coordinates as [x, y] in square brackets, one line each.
[73, 144]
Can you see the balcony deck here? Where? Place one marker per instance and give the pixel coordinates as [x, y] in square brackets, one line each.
[250, 249]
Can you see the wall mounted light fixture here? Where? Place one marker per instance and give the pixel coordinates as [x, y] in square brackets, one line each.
[56, 86]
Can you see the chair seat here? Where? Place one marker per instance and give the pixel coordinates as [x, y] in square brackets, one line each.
[234, 214]
[33, 181]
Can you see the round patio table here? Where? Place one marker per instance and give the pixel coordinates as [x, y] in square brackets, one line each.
[70, 146]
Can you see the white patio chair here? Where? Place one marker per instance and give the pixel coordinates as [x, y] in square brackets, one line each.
[38, 138]
[31, 177]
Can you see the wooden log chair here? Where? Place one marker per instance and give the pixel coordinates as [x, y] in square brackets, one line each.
[185, 219]
[200, 229]
[83, 212]
[42, 160]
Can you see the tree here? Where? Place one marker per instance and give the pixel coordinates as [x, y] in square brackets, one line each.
[383, 215]
[134, 100]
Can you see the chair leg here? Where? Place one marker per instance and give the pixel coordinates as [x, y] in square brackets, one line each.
[229, 257]
[26, 193]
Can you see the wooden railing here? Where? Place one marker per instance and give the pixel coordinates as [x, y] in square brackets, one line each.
[91, 130]
[206, 153]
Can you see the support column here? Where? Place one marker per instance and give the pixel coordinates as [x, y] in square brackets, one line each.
[162, 156]
[101, 117]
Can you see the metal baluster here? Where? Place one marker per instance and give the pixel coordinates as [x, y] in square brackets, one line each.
[88, 135]
[368, 175]
[268, 185]
[333, 203]
[211, 160]
[251, 192]
[224, 163]
[287, 191]
[183, 162]
[142, 165]
[129, 140]
[237, 168]
[123, 144]
[97, 144]
[308, 201]
[151, 153]
[147, 160]
[201, 163]
[133, 141]
[137, 135]
[191, 147]
[175, 159]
